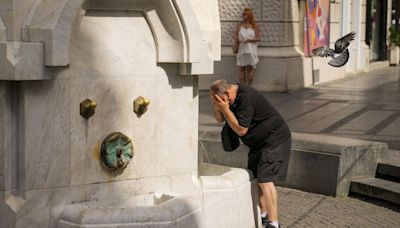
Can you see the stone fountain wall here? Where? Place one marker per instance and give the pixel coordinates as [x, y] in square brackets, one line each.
[56, 54]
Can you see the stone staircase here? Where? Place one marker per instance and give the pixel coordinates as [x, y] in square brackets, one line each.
[386, 183]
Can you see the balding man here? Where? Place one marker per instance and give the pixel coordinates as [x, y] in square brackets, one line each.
[259, 125]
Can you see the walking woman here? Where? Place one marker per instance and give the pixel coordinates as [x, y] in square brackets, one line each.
[247, 33]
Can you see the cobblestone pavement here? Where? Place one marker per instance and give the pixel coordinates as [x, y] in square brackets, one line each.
[365, 106]
[303, 209]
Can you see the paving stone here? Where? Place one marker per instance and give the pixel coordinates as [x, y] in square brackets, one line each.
[393, 129]
[341, 97]
[302, 209]
[365, 121]
[324, 117]
[392, 107]
[295, 107]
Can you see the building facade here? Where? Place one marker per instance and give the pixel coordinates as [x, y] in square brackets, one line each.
[284, 63]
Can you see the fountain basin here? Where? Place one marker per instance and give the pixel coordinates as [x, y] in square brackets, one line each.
[148, 210]
[230, 196]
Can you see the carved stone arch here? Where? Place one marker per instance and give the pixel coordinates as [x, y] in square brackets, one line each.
[50, 22]
[176, 34]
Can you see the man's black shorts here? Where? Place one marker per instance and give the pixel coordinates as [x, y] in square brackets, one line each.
[270, 164]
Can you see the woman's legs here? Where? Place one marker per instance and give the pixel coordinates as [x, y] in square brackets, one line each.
[250, 74]
[246, 74]
[242, 74]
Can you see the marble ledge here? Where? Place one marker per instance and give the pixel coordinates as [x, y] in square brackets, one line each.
[232, 179]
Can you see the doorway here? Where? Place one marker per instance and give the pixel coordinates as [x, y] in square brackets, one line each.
[376, 29]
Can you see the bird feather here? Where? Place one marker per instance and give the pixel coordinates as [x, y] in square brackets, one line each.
[323, 51]
[341, 59]
[342, 43]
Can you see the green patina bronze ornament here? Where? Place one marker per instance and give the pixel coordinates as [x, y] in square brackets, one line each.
[116, 151]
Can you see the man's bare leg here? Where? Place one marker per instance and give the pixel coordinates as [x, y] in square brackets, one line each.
[263, 206]
[263, 201]
[270, 196]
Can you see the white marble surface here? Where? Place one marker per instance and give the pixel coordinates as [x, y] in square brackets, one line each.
[3, 35]
[175, 212]
[43, 207]
[22, 61]
[8, 137]
[205, 66]
[13, 14]
[46, 133]
[8, 217]
[169, 49]
[175, 32]
[113, 58]
[52, 22]
[233, 189]
[109, 46]
[164, 10]
[115, 77]
[207, 14]
[191, 29]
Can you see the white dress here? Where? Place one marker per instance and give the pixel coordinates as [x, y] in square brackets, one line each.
[247, 52]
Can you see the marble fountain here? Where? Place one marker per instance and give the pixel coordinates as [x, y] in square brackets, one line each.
[99, 116]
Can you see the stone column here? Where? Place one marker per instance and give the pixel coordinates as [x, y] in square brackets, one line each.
[359, 47]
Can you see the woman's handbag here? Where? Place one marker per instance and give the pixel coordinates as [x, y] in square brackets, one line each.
[230, 140]
[235, 45]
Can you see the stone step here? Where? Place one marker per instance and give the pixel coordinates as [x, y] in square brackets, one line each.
[377, 188]
[389, 171]
[318, 163]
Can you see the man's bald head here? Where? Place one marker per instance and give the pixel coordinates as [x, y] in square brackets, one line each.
[220, 86]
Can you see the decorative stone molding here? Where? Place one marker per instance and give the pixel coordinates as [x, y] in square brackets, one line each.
[22, 61]
[207, 13]
[163, 20]
[51, 23]
[177, 36]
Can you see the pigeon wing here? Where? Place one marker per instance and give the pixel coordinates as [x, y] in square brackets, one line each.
[342, 43]
[340, 60]
[323, 51]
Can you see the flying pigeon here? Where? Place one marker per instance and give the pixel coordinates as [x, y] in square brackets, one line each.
[340, 55]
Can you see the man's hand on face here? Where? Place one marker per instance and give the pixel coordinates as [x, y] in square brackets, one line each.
[221, 103]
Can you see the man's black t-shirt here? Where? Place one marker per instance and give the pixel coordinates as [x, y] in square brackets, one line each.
[254, 111]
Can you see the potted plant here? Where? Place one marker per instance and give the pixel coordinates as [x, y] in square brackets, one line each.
[394, 39]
